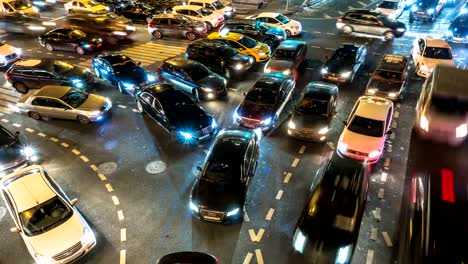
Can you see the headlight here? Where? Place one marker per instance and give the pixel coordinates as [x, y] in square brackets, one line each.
[342, 147]
[107, 8]
[291, 125]
[130, 28]
[185, 135]
[414, 8]
[119, 33]
[267, 70]
[266, 121]
[36, 28]
[108, 102]
[78, 83]
[128, 86]
[51, 1]
[29, 153]
[86, 46]
[345, 75]
[49, 23]
[401, 29]
[287, 72]
[43, 259]
[279, 37]
[299, 241]
[238, 66]
[261, 53]
[324, 71]
[392, 95]
[2, 58]
[373, 154]
[424, 123]
[35, 9]
[19, 51]
[251, 60]
[371, 91]
[424, 67]
[209, 90]
[233, 212]
[323, 131]
[193, 207]
[38, 3]
[199, 28]
[462, 131]
[151, 78]
[213, 124]
[235, 116]
[344, 253]
[464, 11]
[430, 11]
[88, 236]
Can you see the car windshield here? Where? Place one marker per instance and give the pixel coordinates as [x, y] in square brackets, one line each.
[309, 106]
[197, 73]
[248, 42]
[74, 98]
[343, 55]
[6, 138]
[228, 53]
[205, 12]
[62, 68]
[284, 54]
[261, 96]
[388, 5]
[184, 20]
[45, 216]
[387, 75]
[77, 34]
[218, 5]
[283, 19]
[222, 171]
[262, 27]
[438, 53]
[21, 4]
[450, 105]
[126, 65]
[366, 126]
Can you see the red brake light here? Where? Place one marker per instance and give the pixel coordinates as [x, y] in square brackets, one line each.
[7, 76]
[151, 25]
[339, 20]
[448, 192]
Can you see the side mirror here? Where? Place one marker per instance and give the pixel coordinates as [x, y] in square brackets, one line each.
[200, 169]
[17, 133]
[389, 132]
[15, 230]
[244, 93]
[74, 201]
[345, 123]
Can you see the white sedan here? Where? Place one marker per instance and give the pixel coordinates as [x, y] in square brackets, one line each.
[391, 8]
[366, 130]
[290, 26]
[8, 54]
[427, 52]
[52, 228]
[84, 6]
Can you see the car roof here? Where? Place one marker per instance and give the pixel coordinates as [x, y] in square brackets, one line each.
[53, 91]
[114, 57]
[290, 44]
[396, 1]
[231, 144]
[28, 187]
[241, 21]
[183, 63]
[435, 42]
[188, 7]
[320, 90]
[210, 43]
[268, 14]
[271, 81]
[167, 15]
[229, 35]
[393, 62]
[363, 11]
[36, 63]
[373, 107]
[450, 80]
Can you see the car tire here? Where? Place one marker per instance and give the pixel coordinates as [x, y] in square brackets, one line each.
[83, 119]
[21, 87]
[140, 108]
[191, 36]
[80, 50]
[347, 30]
[389, 36]
[34, 115]
[49, 47]
[97, 72]
[157, 34]
[209, 27]
[121, 87]
[288, 32]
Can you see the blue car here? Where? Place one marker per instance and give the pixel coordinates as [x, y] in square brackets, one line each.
[193, 78]
[121, 71]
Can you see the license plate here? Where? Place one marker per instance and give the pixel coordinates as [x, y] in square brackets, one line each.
[212, 218]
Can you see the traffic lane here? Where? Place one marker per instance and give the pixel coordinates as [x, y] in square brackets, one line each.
[78, 181]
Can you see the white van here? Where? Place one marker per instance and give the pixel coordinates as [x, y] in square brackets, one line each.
[18, 6]
[214, 5]
[198, 13]
[442, 108]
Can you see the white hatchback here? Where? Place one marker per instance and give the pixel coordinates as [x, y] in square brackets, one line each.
[427, 52]
[52, 228]
[391, 8]
[290, 26]
[201, 14]
[366, 130]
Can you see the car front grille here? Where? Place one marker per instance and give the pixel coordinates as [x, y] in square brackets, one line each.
[213, 216]
[357, 152]
[249, 122]
[69, 252]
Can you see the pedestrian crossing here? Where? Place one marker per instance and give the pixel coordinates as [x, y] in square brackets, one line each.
[156, 51]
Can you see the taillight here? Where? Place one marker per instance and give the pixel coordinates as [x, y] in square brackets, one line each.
[65, 25]
[151, 25]
[7, 76]
[339, 20]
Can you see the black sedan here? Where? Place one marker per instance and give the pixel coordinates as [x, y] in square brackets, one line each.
[71, 40]
[288, 58]
[137, 12]
[122, 71]
[193, 78]
[458, 29]
[176, 112]
[265, 101]
[328, 228]
[14, 154]
[272, 36]
[345, 62]
[220, 192]
[188, 257]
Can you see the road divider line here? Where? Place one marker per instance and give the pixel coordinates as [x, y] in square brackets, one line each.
[122, 106]
[54, 139]
[123, 254]
[123, 234]
[258, 254]
[65, 145]
[279, 195]
[109, 187]
[394, 125]
[16, 125]
[387, 162]
[30, 130]
[302, 150]
[396, 115]
[377, 214]
[5, 120]
[256, 237]
[84, 158]
[287, 178]
[373, 234]
[41, 134]
[102, 177]
[248, 258]
[315, 47]
[76, 152]
[270, 214]
[370, 256]
[93, 167]
[115, 200]
[383, 177]
[387, 239]
[120, 215]
[295, 162]
[381, 193]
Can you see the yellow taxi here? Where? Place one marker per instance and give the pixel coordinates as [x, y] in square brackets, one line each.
[245, 45]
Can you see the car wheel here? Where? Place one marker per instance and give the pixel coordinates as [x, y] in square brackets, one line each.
[140, 107]
[191, 36]
[20, 87]
[80, 50]
[195, 94]
[49, 47]
[288, 33]
[121, 87]
[34, 115]
[208, 26]
[389, 36]
[157, 34]
[347, 30]
[97, 72]
[83, 119]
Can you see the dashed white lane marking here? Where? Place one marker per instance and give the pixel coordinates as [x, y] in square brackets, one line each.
[65, 145]
[326, 16]
[123, 234]
[270, 214]
[123, 254]
[373, 234]
[279, 195]
[115, 200]
[59, 55]
[84, 158]
[76, 152]
[120, 215]
[246, 217]
[109, 187]
[381, 193]
[38, 51]
[54, 139]
[102, 177]
[122, 106]
[93, 167]
[387, 239]
[258, 254]
[398, 105]
[302, 150]
[248, 258]
[5, 120]
[16, 125]
[383, 178]
[287, 178]
[256, 237]
[350, 7]
[135, 110]
[370, 256]
[396, 115]
[315, 47]
[394, 125]
[30, 130]
[377, 214]
[387, 162]
[295, 162]
[41, 134]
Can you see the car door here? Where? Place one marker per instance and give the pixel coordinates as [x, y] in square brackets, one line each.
[41, 106]
[176, 28]
[372, 25]
[27, 77]
[182, 81]
[388, 122]
[284, 96]
[57, 109]
[45, 78]
[65, 42]
[146, 101]
[161, 116]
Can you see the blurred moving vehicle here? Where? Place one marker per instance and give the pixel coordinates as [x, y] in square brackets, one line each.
[137, 12]
[64, 103]
[23, 24]
[221, 190]
[345, 63]
[290, 26]
[288, 58]
[178, 26]
[18, 6]
[426, 10]
[84, 6]
[458, 30]
[427, 52]
[192, 78]
[314, 112]
[109, 26]
[214, 5]
[122, 71]
[43, 5]
[434, 218]
[271, 36]
[9, 54]
[442, 107]
[328, 228]
[111, 4]
[70, 39]
[198, 13]
[248, 46]
[36, 73]
[371, 23]
[52, 228]
[188, 257]
[176, 112]
[265, 101]
[219, 57]
[389, 79]
[391, 8]
[15, 153]
[364, 135]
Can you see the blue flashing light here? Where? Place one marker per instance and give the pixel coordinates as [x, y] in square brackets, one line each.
[186, 135]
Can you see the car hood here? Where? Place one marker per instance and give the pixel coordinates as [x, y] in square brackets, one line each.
[262, 48]
[218, 196]
[310, 122]
[93, 103]
[10, 155]
[384, 85]
[280, 65]
[293, 23]
[7, 50]
[189, 118]
[361, 143]
[394, 24]
[276, 32]
[98, 8]
[136, 76]
[60, 238]
[430, 63]
[255, 111]
[213, 81]
[77, 71]
[337, 67]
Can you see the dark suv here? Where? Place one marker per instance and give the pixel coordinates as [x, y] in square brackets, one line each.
[388, 80]
[178, 26]
[36, 73]
[219, 57]
[370, 22]
[257, 30]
